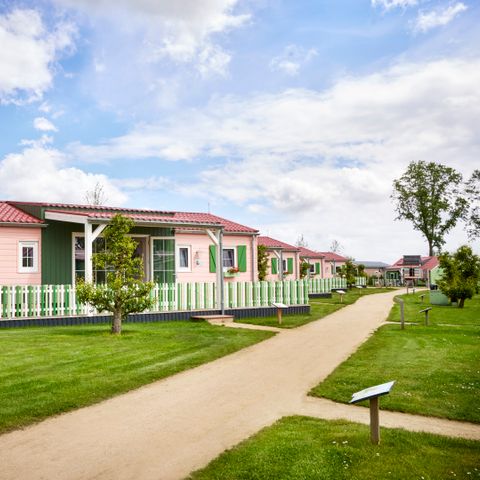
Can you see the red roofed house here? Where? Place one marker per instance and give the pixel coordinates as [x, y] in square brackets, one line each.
[20, 247]
[315, 260]
[333, 263]
[58, 244]
[284, 259]
[411, 269]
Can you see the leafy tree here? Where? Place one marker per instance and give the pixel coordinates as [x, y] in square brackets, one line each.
[349, 271]
[461, 274]
[262, 262]
[430, 196]
[473, 194]
[304, 268]
[124, 291]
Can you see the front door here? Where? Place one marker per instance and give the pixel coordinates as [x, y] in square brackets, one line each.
[163, 260]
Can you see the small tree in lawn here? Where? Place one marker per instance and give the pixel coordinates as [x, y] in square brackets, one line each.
[262, 262]
[348, 271]
[461, 274]
[124, 291]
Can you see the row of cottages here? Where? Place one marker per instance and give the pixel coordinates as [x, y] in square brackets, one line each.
[284, 261]
[52, 243]
[411, 269]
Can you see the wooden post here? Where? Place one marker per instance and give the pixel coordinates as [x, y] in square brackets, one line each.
[374, 421]
[279, 316]
[426, 318]
[402, 315]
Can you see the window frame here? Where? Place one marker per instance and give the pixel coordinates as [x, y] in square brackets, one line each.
[28, 244]
[188, 268]
[234, 258]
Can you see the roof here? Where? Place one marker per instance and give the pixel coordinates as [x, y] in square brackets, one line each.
[10, 214]
[371, 263]
[270, 242]
[427, 263]
[307, 253]
[333, 257]
[137, 214]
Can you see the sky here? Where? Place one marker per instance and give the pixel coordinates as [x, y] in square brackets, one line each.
[290, 116]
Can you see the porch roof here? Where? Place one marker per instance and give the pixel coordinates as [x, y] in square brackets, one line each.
[11, 215]
[307, 253]
[270, 242]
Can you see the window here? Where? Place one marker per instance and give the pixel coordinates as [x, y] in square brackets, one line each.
[184, 258]
[285, 266]
[28, 257]
[228, 258]
[312, 268]
[163, 260]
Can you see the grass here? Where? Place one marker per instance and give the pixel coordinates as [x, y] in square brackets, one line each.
[436, 368]
[46, 371]
[440, 314]
[303, 448]
[319, 308]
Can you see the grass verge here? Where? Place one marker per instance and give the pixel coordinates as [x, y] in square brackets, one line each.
[303, 448]
[436, 369]
[440, 314]
[319, 308]
[46, 371]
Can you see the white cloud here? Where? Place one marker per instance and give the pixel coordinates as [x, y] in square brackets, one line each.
[323, 161]
[28, 54]
[39, 173]
[439, 17]
[390, 4]
[181, 31]
[44, 125]
[292, 59]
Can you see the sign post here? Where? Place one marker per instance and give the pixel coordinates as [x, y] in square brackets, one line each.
[372, 394]
[402, 313]
[426, 310]
[279, 307]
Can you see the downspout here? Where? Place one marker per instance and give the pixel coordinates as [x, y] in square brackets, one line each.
[254, 255]
[220, 267]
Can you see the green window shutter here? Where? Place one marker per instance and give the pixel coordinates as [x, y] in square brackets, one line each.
[213, 258]
[317, 268]
[242, 258]
[274, 266]
[290, 265]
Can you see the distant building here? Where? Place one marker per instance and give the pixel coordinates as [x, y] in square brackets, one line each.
[373, 268]
[411, 269]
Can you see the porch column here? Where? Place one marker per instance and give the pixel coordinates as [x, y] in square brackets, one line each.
[220, 280]
[88, 252]
[281, 265]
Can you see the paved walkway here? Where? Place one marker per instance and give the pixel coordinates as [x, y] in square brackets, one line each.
[169, 428]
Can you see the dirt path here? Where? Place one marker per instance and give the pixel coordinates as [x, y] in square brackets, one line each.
[169, 428]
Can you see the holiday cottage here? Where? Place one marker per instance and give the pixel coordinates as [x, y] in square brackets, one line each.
[52, 243]
[315, 260]
[333, 263]
[283, 259]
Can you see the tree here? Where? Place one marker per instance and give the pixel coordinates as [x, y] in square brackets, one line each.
[124, 291]
[301, 242]
[349, 271]
[473, 195]
[304, 268]
[430, 196]
[262, 262]
[96, 196]
[460, 274]
[336, 246]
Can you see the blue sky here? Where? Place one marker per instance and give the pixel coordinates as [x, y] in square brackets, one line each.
[290, 116]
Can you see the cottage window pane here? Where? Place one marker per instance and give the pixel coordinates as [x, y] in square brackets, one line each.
[27, 257]
[228, 257]
[183, 257]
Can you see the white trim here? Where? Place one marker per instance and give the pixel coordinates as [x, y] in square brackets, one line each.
[177, 258]
[28, 244]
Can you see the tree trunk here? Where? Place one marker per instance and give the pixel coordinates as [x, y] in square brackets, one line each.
[117, 322]
[461, 303]
[430, 248]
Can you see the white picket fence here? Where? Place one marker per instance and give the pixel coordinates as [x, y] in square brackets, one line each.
[29, 301]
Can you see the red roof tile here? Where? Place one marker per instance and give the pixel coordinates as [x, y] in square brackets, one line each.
[10, 214]
[273, 243]
[333, 257]
[307, 253]
[427, 263]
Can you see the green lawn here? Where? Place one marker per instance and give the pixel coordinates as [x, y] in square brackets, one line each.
[437, 368]
[46, 371]
[319, 308]
[451, 315]
[303, 448]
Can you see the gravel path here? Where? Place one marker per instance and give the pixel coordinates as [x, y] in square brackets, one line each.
[169, 428]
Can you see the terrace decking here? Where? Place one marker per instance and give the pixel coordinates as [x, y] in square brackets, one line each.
[215, 319]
